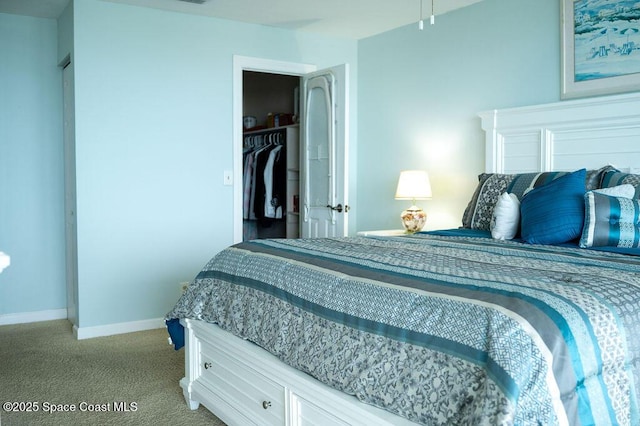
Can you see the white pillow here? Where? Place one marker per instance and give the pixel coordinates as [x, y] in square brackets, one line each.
[506, 217]
[624, 191]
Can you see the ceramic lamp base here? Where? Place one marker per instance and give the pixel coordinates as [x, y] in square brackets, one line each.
[413, 219]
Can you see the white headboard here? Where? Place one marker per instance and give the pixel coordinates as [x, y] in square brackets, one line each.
[564, 136]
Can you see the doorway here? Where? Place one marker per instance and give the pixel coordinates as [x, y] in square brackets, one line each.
[322, 213]
[242, 64]
[271, 139]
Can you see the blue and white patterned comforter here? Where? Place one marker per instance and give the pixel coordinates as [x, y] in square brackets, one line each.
[440, 330]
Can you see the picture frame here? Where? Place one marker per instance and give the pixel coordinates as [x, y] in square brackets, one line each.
[600, 47]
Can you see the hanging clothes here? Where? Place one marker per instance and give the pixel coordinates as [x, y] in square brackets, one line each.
[264, 178]
[273, 195]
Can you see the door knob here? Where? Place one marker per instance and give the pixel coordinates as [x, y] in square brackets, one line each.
[339, 208]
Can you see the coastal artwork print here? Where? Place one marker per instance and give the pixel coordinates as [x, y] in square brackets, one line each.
[605, 44]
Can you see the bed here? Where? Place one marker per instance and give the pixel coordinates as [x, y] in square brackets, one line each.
[463, 326]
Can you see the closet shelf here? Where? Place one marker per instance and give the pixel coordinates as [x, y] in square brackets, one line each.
[269, 129]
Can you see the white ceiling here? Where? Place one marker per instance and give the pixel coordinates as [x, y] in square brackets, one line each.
[343, 18]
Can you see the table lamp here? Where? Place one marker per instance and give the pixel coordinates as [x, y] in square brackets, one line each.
[413, 185]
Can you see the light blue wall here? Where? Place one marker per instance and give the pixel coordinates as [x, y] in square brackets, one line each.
[154, 135]
[31, 172]
[420, 91]
[153, 138]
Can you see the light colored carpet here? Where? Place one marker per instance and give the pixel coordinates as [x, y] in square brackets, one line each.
[44, 363]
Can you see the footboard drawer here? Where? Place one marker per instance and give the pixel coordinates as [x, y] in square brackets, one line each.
[261, 399]
[244, 385]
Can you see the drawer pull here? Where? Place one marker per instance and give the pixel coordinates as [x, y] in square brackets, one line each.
[207, 365]
[266, 404]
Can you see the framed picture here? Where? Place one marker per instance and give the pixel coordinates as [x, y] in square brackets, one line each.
[600, 47]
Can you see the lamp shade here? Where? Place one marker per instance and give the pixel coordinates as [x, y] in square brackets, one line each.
[413, 185]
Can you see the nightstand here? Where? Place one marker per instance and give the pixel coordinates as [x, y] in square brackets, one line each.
[383, 233]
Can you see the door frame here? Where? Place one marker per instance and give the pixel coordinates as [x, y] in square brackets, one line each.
[70, 221]
[241, 64]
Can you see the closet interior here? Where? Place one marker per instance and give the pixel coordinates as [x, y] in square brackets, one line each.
[271, 138]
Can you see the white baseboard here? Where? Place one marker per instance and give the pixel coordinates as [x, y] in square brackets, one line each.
[119, 328]
[25, 317]
[83, 332]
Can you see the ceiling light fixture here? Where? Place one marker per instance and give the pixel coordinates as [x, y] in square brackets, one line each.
[421, 21]
[433, 16]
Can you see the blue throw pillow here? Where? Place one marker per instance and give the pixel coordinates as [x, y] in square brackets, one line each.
[610, 221]
[554, 213]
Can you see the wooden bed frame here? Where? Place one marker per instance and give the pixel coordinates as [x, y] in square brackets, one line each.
[243, 384]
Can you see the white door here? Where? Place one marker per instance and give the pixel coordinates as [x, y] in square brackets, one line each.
[70, 193]
[323, 189]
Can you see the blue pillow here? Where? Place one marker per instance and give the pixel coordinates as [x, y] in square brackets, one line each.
[610, 221]
[554, 213]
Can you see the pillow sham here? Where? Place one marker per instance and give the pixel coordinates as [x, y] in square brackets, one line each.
[479, 211]
[615, 177]
[506, 217]
[610, 221]
[525, 182]
[554, 213]
[595, 177]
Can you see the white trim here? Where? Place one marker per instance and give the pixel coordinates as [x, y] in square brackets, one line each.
[27, 317]
[240, 64]
[119, 328]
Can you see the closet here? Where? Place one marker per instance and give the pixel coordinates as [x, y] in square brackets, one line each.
[271, 156]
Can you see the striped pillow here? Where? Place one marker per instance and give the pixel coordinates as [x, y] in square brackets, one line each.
[614, 178]
[610, 221]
